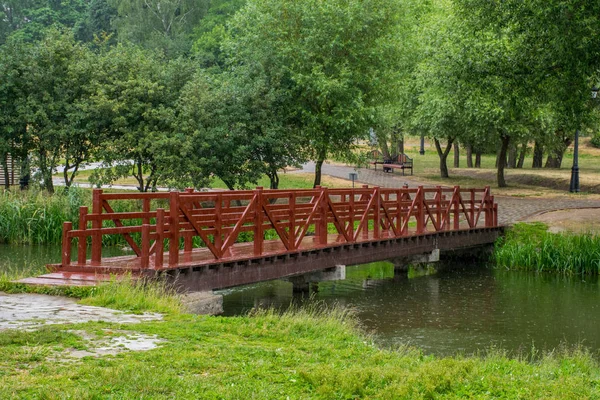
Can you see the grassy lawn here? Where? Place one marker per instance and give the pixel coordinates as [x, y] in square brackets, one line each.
[298, 355]
[523, 182]
[287, 180]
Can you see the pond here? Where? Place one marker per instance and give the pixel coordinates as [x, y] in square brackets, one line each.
[33, 259]
[462, 309]
[459, 310]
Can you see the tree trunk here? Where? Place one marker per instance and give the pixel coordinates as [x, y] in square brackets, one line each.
[456, 155]
[522, 155]
[443, 154]
[469, 150]
[512, 156]
[385, 151]
[318, 166]
[6, 172]
[478, 159]
[401, 146]
[502, 160]
[538, 155]
[47, 183]
[497, 157]
[229, 184]
[555, 157]
[273, 179]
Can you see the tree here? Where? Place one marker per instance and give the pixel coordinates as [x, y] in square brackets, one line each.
[547, 52]
[98, 22]
[54, 83]
[159, 24]
[211, 32]
[14, 57]
[135, 98]
[28, 19]
[333, 56]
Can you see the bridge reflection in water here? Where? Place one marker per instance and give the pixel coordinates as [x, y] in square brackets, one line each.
[212, 240]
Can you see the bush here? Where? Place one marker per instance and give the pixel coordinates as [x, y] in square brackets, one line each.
[595, 141]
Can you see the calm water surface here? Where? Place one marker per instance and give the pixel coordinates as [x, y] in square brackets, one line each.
[464, 309]
[461, 310]
[33, 259]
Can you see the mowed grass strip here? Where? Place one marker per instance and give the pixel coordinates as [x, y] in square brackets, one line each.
[299, 355]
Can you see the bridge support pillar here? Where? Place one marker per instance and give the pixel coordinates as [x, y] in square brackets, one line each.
[301, 283]
[417, 265]
[203, 303]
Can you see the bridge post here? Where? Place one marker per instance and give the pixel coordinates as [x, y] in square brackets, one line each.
[322, 226]
[351, 199]
[160, 236]
[420, 210]
[174, 229]
[376, 213]
[487, 205]
[66, 244]
[188, 244]
[96, 224]
[218, 240]
[145, 256]
[292, 221]
[438, 205]
[258, 221]
[82, 245]
[456, 207]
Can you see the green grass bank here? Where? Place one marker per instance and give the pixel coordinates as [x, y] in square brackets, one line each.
[531, 247]
[301, 354]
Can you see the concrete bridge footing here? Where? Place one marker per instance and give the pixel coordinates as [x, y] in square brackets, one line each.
[301, 283]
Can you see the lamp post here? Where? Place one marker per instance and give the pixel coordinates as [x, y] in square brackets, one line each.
[574, 186]
[353, 176]
[422, 150]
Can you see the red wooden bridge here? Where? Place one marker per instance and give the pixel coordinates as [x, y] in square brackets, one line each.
[210, 240]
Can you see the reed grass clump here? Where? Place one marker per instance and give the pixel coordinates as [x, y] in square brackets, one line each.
[36, 217]
[532, 247]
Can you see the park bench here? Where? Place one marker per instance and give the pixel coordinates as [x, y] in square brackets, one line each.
[401, 161]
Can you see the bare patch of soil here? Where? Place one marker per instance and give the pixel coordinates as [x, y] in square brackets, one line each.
[585, 220]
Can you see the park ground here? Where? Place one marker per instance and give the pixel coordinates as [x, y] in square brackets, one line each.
[317, 353]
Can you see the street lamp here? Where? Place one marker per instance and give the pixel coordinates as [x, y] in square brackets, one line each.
[353, 176]
[574, 186]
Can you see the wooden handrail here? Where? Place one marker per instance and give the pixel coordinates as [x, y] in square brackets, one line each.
[218, 218]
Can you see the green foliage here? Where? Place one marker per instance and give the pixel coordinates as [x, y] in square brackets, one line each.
[331, 58]
[531, 247]
[134, 101]
[27, 20]
[164, 25]
[595, 140]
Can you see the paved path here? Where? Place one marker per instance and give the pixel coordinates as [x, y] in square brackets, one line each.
[510, 209]
[34, 310]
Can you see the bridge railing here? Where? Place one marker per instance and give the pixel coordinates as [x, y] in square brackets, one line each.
[296, 219]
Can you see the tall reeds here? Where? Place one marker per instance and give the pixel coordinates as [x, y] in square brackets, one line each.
[531, 247]
[35, 217]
